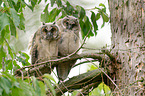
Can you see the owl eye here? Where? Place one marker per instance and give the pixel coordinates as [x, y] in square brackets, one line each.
[45, 30]
[66, 23]
[54, 31]
[73, 25]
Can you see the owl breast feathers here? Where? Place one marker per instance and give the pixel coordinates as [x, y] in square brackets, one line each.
[45, 46]
[67, 44]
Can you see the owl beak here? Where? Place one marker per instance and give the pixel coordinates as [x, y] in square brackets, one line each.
[49, 35]
[69, 26]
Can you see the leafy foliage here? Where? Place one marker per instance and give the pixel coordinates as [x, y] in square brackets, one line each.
[11, 19]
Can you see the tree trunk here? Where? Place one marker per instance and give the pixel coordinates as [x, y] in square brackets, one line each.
[128, 45]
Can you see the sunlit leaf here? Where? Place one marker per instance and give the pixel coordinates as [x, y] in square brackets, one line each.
[49, 77]
[28, 90]
[1, 90]
[98, 16]
[42, 87]
[15, 1]
[39, 1]
[53, 14]
[45, 15]
[104, 8]
[36, 85]
[5, 84]
[4, 20]
[105, 17]
[10, 65]
[14, 17]
[59, 3]
[48, 83]
[52, 2]
[101, 90]
[12, 28]
[2, 55]
[33, 3]
[22, 24]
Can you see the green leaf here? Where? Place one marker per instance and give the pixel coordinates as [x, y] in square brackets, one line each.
[22, 24]
[59, 3]
[45, 15]
[101, 4]
[4, 20]
[105, 17]
[42, 87]
[15, 64]
[49, 77]
[55, 12]
[2, 35]
[17, 92]
[101, 90]
[14, 17]
[2, 55]
[69, 9]
[81, 11]
[27, 5]
[39, 1]
[48, 83]
[93, 19]
[86, 27]
[1, 90]
[98, 16]
[8, 75]
[15, 1]
[5, 84]
[103, 9]
[9, 65]
[12, 28]
[33, 3]
[36, 86]
[52, 2]
[28, 90]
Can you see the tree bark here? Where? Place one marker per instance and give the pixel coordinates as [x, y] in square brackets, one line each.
[128, 44]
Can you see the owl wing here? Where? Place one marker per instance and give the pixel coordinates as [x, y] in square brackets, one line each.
[34, 54]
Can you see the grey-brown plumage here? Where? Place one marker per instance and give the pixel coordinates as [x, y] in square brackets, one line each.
[68, 43]
[45, 46]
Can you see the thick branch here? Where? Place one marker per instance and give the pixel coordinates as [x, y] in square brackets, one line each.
[81, 81]
[98, 57]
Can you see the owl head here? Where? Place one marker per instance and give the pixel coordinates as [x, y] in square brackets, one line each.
[49, 32]
[70, 23]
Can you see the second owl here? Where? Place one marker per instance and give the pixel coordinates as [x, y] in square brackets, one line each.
[67, 44]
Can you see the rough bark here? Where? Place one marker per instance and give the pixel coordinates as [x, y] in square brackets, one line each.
[128, 44]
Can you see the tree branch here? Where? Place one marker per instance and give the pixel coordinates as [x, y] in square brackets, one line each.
[97, 56]
[80, 81]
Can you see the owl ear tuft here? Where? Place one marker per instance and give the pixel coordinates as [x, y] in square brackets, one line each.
[54, 23]
[43, 23]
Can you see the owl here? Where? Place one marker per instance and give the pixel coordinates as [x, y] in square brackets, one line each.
[67, 44]
[45, 46]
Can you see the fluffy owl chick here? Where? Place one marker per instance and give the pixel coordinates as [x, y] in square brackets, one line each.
[67, 44]
[45, 46]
